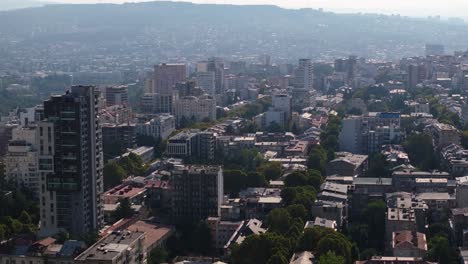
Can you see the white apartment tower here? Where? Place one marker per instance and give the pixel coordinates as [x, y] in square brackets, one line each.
[304, 75]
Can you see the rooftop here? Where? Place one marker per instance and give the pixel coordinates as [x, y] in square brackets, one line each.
[153, 233]
[408, 239]
[111, 246]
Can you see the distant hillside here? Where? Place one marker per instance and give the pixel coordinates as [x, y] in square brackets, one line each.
[17, 4]
[179, 28]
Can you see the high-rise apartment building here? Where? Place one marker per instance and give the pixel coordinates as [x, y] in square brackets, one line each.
[416, 73]
[167, 75]
[71, 163]
[207, 81]
[304, 75]
[216, 65]
[117, 95]
[197, 192]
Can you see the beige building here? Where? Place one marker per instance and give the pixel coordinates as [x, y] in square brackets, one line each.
[21, 159]
[196, 108]
[443, 134]
[167, 75]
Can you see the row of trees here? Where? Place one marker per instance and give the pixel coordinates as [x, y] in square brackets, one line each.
[19, 213]
[286, 235]
[116, 171]
[258, 176]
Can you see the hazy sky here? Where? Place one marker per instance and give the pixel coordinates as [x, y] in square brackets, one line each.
[404, 7]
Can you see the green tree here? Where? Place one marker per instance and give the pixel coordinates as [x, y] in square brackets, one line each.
[278, 259]
[336, 243]
[113, 174]
[3, 232]
[257, 249]
[310, 238]
[62, 236]
[378, 166]
[234, 181]
[256, 180]
[296, 178]
[278, 220]
[274, 127]
[124, 209]
[25, 218]
[157, 256]
[331, 258]
[298, 211]
[440, 251]
[304, 195]
[317, 159]
[374, 217]
[270, 170]
[90, 238]
[288, 195]
[314, 178]
[420, 151]
[200, 239]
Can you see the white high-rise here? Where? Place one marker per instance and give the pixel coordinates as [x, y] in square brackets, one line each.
[304, 75]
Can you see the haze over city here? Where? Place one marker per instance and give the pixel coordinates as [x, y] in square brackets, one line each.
[233, 132]
[456, 8]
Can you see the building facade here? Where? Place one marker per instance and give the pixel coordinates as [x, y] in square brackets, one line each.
[197, 192]
[71, 163]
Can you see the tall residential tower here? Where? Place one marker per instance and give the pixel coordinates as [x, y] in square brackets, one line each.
[71, 163]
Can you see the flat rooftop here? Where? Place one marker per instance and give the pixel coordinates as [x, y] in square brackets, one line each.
[110, 246]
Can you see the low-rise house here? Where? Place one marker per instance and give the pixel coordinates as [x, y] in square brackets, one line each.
[409, 244]
[46, 250]
[321, 222]
[304, 257]
[249, 227]
[347, 164]
[335, 211]
[394, 260]
[454, 158]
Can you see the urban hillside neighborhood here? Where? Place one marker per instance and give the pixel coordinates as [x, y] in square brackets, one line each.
[247, 158]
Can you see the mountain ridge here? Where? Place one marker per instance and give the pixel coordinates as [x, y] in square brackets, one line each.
[228, 29]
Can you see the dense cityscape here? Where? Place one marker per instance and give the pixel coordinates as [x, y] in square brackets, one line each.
[184, 152]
